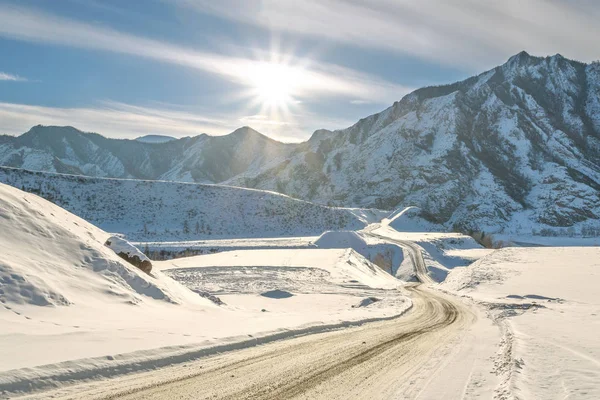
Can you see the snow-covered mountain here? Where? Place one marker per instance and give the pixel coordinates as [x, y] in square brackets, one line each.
[200, 158]
[517, 147]
[162, 210]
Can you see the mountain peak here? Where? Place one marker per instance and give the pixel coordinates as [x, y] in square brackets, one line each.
[248, 132]
[520, 58]
[51, 131]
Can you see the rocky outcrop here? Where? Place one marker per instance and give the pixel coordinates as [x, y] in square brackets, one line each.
[129, 253]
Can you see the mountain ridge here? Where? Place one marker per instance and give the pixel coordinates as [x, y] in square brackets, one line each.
[515, 147]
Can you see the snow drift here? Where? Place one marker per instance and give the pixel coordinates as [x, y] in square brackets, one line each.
[50, 257]
[386, 256]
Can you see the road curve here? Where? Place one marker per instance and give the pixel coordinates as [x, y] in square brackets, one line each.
[375, 361]
[382, 360]
[415, 255]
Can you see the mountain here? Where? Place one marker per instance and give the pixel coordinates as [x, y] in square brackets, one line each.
[155, 139]
[172, 211]
[514, 148]
[201, 158]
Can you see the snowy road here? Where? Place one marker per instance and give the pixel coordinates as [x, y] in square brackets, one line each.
[432, 351]
[382, 360]
[376, 361]
[415, 254]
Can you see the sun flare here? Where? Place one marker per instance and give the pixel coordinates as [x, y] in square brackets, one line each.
[273, 84]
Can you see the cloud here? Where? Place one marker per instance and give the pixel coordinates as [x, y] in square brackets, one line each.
[470, 33]
[259, 119]
[312, 78]
[112, 119]
[9, 77]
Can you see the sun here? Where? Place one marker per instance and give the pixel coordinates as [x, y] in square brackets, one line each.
[274, 85]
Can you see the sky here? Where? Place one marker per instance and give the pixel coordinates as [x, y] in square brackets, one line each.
[284, 67]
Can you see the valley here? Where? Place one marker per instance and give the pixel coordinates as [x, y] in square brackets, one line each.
[445, 247]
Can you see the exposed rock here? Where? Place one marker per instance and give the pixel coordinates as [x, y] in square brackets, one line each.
[129, 253]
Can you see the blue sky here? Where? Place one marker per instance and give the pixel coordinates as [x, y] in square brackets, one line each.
[284, 67]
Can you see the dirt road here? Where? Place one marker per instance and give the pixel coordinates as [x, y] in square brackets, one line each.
[374, 361]
[384, 360]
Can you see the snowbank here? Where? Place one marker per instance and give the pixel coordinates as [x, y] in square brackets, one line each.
[387, 256]
[50, 257]
[545, 301]
[342, 240]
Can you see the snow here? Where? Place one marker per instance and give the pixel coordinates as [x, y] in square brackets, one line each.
[508, 240]
[71, 309]
[545, 301]
[442, 251]
[341, 266]
[53, 258]
[176, 211]
[387, 256]
[218, 245]
[341, 240]
[120, 245]
[408, 220]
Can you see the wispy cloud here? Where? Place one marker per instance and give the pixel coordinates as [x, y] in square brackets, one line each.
[9, 77]
[260, 119]
[111, 119]
[318, 78]
[468, 33]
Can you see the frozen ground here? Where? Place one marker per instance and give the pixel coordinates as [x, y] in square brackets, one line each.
[524, 324]
[546, 302]
[308, 270]
[71, 309]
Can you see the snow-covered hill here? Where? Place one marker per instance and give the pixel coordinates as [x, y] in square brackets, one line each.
[515, 148]
[161, 210]
[51, 257]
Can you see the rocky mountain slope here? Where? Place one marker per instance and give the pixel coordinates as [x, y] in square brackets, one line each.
[172, 211]
[514, 149]
[200, 158]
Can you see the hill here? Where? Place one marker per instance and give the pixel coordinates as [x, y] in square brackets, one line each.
[161, 210]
